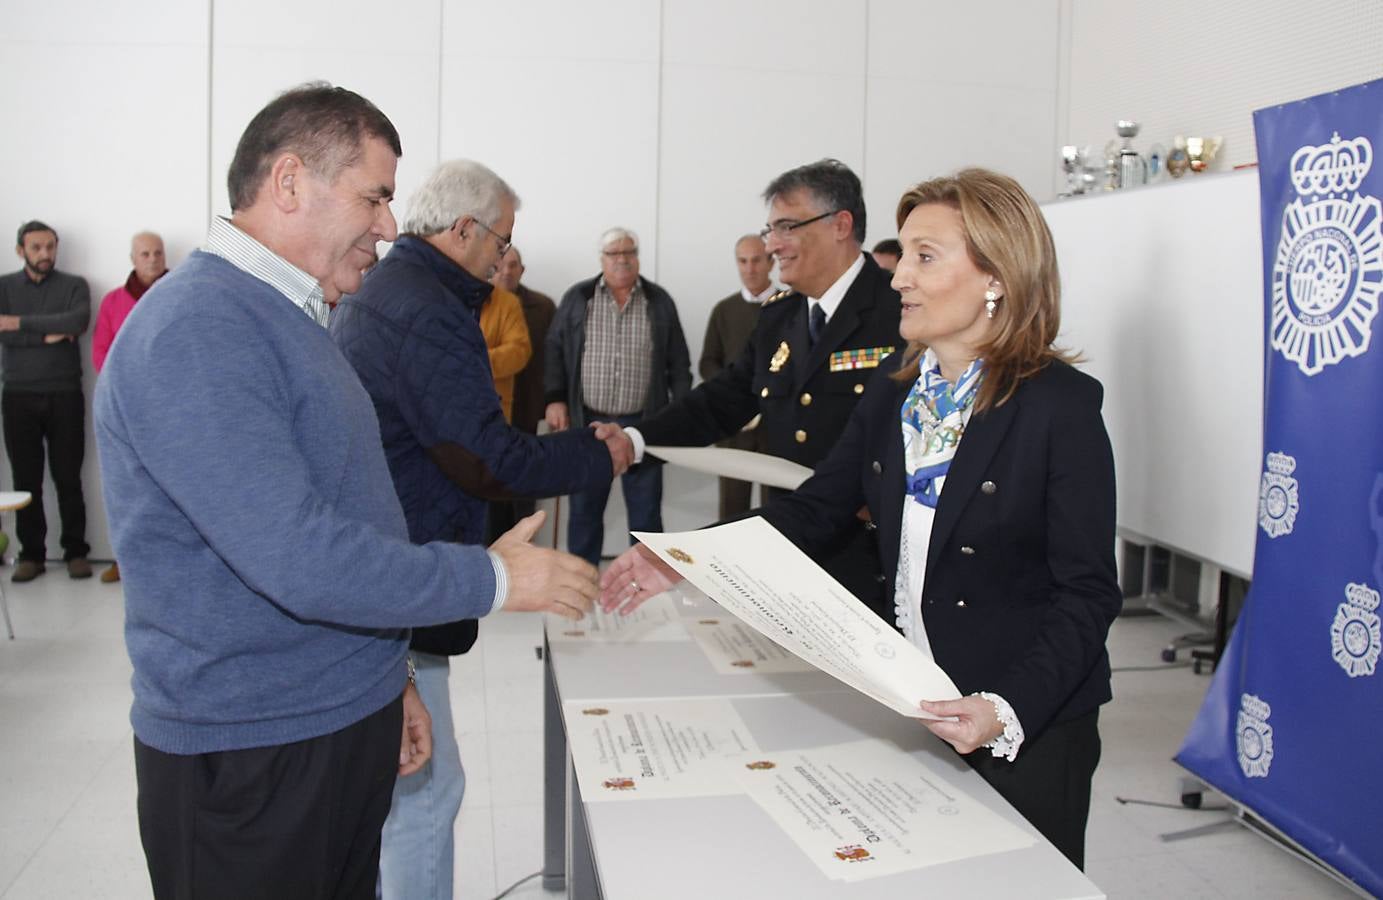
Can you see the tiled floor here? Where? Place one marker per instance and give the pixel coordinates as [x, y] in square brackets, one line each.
[67, 823]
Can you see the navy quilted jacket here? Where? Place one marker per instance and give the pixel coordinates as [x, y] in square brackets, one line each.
[413, 336]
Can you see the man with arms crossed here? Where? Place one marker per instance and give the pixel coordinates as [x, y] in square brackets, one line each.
[269, 579]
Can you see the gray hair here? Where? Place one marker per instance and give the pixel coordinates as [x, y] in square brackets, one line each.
[831, 183]
[615, 235]
[460, 187]
[751, 236]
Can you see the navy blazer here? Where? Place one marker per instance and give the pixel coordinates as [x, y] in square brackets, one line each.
[1021, 585]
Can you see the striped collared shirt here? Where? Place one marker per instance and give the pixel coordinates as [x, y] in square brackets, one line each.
[617, 362]
[236, 247]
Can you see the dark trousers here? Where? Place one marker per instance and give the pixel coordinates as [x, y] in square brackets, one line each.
[737, 497]
[643, 503]
[59, 419]
[297, 821]
[1049, 782]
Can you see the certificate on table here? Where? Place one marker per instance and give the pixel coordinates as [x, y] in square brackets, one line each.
[734, 648]
[750, 569]
[729, 462]
[865, 809]
[642, 749]
[655, 620]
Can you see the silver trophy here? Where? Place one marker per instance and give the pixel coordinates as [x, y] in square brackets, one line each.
[1081, 176]
[1132, 169]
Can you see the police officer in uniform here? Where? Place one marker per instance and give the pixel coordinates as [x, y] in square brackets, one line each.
[812, 352]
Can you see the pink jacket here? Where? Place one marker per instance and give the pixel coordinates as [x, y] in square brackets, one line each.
[115, 308]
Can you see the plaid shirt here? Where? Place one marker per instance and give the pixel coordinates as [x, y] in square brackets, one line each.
[236, 247]
[617, 363]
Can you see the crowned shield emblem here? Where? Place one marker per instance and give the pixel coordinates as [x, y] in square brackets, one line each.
[1355, 635]
[1329, 264]
[1278, 502]
[1255, 737]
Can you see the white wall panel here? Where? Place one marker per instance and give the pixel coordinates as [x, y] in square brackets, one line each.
[749, 91]
[955, 86]
[263, 47]
[105, 116]
[561, 99]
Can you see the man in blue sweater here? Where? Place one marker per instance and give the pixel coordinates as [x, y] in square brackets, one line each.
[269, 579]
[412, 334]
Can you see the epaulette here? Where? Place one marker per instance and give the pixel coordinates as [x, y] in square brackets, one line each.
[781, 295]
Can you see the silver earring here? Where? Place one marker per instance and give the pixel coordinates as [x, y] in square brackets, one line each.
[991, 302]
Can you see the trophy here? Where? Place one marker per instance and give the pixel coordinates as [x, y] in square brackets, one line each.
[1201, 152]
[1080, 175]
[1178, 161]
[1132, 169]
[1157, 163]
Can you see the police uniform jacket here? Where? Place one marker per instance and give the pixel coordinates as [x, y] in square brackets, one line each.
[805, 395]
[1020, 584]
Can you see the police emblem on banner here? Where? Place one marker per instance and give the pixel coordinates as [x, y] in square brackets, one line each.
[1329, 264]
[1278, 502]
[1355, 635]
[1255, 737]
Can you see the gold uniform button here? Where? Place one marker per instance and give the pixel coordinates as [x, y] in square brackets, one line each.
[763, 393]
[806, 399]
[801, 437]
[859, 389]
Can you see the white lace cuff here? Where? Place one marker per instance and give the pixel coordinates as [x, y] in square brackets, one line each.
[1006, 744]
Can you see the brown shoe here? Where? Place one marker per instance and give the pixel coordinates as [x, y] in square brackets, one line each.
[27, 570]
[78, 567]
[111, 575]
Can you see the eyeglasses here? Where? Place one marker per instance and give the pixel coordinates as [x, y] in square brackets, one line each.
[505, 240]
[783, 228]
[620, 254]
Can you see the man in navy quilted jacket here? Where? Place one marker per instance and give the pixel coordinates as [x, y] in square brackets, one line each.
[413, 335]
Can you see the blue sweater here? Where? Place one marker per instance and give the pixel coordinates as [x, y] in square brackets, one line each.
[268, 576]
[412, 333]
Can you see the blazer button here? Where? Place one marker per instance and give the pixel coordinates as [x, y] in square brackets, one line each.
[763, 393]
[967, 550]
[806, 399]
[801, 437]
[988, 487]
[960, 602]
[876, 467]
[879, 578]
[859, 389]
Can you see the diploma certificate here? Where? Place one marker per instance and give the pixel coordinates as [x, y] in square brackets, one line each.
[750, 569]
[655, 620]
[736, 649]
[729, 462]
[641, 749]
[866, 808]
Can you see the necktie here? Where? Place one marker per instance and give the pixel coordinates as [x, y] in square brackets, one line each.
[816, 323]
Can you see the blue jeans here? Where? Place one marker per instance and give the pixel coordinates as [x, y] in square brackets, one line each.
[643, 503]
[415, 860]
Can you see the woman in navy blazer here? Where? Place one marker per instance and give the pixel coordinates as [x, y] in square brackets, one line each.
[980, 453]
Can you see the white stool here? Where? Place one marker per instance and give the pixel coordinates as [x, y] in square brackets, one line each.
[9, 502]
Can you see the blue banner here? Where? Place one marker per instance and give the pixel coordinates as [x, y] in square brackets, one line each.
[1292, 726]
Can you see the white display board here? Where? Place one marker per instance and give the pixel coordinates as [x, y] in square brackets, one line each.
[1162, 294]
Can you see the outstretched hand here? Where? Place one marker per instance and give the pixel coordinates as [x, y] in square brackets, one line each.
[620, 445]
[543, 580]
[635, 576]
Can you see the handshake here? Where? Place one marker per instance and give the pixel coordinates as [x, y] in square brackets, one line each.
[620, 445]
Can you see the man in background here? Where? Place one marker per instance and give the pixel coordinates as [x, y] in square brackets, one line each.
[615, 354]
[147, 257]
[42, 313]
[528, 408]
[727, 333]
[887, 254]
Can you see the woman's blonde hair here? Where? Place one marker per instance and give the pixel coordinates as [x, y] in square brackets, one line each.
[1007, 238]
